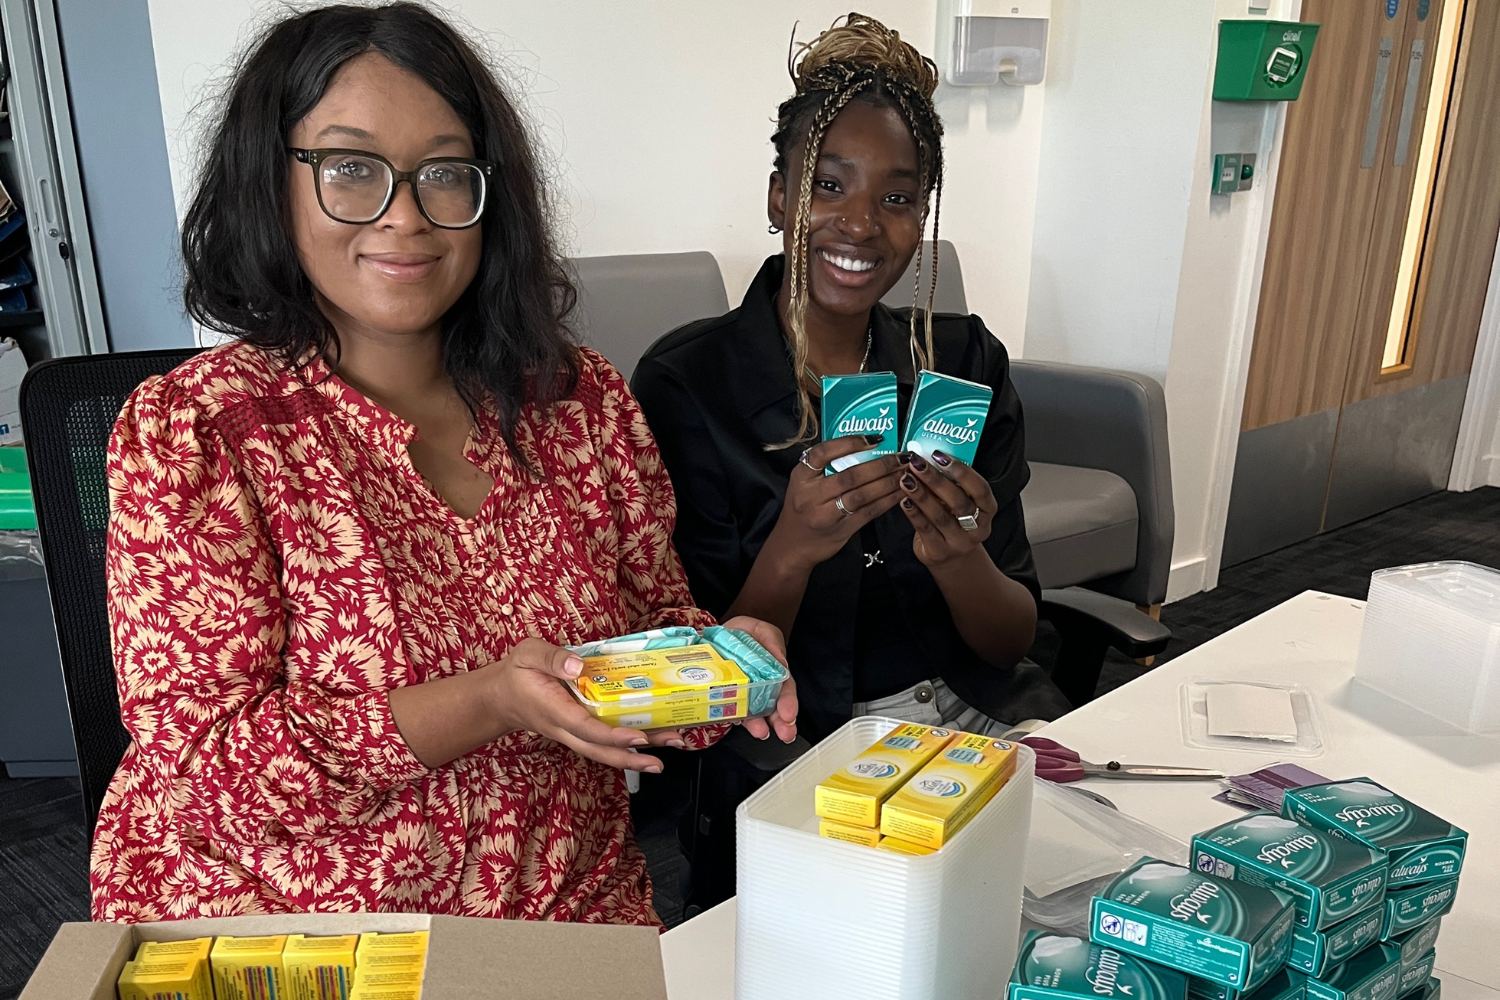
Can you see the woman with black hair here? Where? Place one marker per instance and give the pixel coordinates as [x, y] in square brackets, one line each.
[347, 549]
[906, 588]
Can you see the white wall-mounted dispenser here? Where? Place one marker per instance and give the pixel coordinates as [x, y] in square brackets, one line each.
[984, 42]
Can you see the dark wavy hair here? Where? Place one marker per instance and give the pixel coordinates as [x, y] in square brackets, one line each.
[506, 342]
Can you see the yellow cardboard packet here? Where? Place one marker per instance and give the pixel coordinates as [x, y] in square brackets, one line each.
[248, 968]
[373, 943]
[865, 836]
[675, 686]
[319, 968]
[935, 804]
[898, 846]
[854, 793]
[181, 977]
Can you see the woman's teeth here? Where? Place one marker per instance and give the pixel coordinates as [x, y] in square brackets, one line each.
[848, 263]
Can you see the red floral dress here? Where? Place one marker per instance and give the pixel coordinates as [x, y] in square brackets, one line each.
[276, 566]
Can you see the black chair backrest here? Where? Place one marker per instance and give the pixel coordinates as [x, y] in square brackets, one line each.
[68, 410]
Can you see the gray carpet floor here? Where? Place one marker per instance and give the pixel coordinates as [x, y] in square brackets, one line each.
[44, 852]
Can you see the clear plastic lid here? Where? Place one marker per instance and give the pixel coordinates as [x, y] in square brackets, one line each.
[1465, 587]
[1078, 845]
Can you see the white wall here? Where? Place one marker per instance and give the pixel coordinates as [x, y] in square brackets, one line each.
[1136, 264]
[658, 115]
[1125, 97]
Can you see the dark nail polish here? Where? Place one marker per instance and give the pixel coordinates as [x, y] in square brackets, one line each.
[941, 459]
[918, 464]
[906, 504]
[908, 482]
[874, 438]
[903, 457]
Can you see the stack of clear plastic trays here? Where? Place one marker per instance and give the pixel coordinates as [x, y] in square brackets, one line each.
[819, 918]
[1432, 640]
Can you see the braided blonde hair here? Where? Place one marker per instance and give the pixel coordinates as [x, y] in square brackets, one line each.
[858, 57]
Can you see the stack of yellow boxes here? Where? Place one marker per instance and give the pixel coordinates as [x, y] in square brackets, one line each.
[278, 967]
[913, 789]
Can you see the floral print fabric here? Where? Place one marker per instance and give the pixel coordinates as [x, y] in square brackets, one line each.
[276, 565]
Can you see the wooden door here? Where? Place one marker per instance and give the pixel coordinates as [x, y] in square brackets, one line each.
[1376, 270]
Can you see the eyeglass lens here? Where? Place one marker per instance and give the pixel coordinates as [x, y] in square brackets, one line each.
[354, 189]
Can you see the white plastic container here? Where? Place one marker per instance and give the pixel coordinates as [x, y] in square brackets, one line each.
[1432, 639]
[819, 918]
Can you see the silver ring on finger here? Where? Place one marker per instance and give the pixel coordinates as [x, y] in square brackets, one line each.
[838, 502]
[805, 463]
[969, 522]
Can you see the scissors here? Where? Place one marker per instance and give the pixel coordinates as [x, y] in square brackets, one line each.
[1056, 762]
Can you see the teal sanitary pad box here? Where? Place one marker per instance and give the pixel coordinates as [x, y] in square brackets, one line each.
[1230, 933]
[860, 404]
[1423, 847]
[1315, 952]
[1282, 986]
[1416, 973]
[1415, 944]
[1373, 974]
[947, 414]
[1330, 879]
[1062, 967]
[1408, 909]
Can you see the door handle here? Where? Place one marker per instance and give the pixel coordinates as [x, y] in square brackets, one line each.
[1377, 104]
[1409, 99]
[50, 211]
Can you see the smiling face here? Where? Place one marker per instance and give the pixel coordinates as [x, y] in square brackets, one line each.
[398, 275]
[866, 214]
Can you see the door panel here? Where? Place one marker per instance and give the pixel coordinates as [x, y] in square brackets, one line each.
[1410, 220]
[1466, 217]
[1361, 371]
[1322, 214]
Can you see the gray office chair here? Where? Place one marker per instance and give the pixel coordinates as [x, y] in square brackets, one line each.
[626, 302]
[1099, 505]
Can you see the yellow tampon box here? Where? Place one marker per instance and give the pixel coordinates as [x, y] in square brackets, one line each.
[897, 846]
[319, 968]
[865, 836]
[248, 968]
[655, 688]
[945, 794]
[854, 793]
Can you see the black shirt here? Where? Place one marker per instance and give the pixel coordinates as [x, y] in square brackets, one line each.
[715, 392]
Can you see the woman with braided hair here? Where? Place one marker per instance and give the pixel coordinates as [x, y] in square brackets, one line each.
[891, 604]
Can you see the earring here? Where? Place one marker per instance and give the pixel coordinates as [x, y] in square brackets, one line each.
[773, 229]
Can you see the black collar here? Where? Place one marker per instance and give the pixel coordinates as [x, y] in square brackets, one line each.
[763, 347]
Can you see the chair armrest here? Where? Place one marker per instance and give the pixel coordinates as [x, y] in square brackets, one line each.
[1116, 421]
[1120, 625]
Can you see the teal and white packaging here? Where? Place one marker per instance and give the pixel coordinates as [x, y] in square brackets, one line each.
[1315, 952]
[947, 414]
[859, 404]
[1408, 909]
[1415, 944]
[1423, 847]
[1063, 967]
[1330, 879]
[1282, 986]
[1230, 933]
[1430, 990]
[1416, 972]
[1373, 974]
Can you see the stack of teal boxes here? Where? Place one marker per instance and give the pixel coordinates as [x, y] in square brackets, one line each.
[1339, 898]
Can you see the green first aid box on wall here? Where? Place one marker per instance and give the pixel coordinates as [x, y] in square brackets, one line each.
[1262, 60]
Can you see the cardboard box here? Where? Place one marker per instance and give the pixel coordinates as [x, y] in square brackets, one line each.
[464, 958]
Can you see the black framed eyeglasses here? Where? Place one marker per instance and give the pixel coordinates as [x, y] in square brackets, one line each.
[357, 187]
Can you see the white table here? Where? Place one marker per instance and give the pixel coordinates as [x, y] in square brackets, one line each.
[1310, 640]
